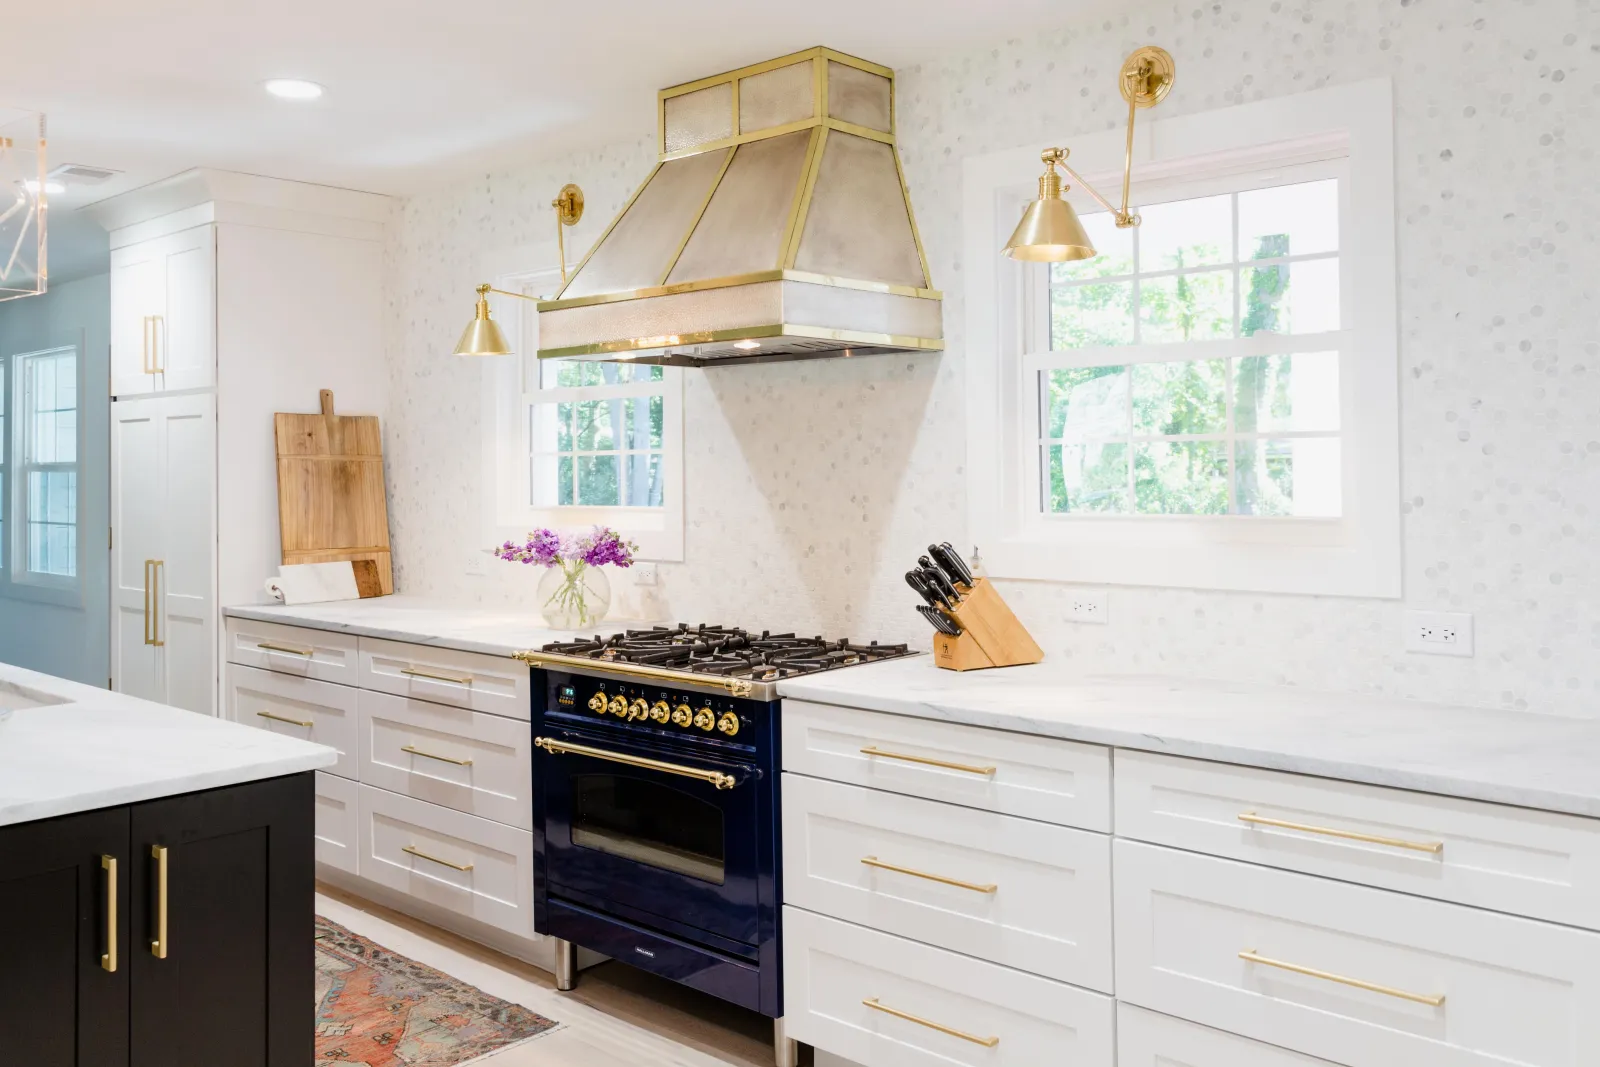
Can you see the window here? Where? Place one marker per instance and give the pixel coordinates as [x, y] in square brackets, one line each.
[1212, 402]
[46, 496]
[575, 443]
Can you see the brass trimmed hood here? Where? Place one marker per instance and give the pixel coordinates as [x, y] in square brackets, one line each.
[775, 226]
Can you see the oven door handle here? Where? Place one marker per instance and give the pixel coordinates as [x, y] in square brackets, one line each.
[716, 778]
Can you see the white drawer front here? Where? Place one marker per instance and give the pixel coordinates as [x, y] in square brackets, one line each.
[338, 822]
[1515, 860]
[497, 887]
[1149, 1039]
[320, 654]
[445, 676]
[1036, 897]
[1516, 991]
[1010, 1019]
[299, 707]
[1016, 774]
[476, 763]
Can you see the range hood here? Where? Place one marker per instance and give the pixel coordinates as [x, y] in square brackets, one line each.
[775, 226]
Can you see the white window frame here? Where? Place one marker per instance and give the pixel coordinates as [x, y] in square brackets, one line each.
[21, 580]
[512, 384]
[1357, 554]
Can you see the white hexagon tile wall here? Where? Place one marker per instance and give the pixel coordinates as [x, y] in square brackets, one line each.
[809, 485]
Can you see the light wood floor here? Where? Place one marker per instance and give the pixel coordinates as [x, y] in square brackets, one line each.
[618, 1016]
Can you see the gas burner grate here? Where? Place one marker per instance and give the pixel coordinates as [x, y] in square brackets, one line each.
[727, 651]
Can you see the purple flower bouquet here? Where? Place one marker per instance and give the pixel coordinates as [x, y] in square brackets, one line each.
[574, 592]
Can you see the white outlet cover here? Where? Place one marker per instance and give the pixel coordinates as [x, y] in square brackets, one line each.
[1438, 633]
[1088, 606]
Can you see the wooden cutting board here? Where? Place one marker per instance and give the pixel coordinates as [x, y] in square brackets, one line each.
[331, 501]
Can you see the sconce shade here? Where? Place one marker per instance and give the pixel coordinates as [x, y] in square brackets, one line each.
[482, 337]
[1050, 233]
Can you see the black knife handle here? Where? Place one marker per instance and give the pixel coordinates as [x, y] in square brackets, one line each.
[916, 581]
[953, 564]
[935, 576]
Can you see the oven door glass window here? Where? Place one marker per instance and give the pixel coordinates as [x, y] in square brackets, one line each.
[650, 823]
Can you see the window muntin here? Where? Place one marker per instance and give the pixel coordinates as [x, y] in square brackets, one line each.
[47, 464]
[596, 433]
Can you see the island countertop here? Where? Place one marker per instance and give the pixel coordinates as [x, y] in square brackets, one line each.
[1506, 757]
[92, 748]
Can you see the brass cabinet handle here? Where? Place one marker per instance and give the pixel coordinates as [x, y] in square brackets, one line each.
[987, 887]
[152, 602]
[873, 750]
[293, 650]
[418, 672]
[429, 755]
[292, 722]
[413, 850]
[1433, 1001]
[160, 944]
[1253, 819]
[108, 958]
[157, 324]
[144, 345]
[986, 1042]
[716, 778]
[738, 687]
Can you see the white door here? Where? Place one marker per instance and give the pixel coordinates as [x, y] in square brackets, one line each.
[137, 498]
[186, 327]
[186, 573]
[138, 275]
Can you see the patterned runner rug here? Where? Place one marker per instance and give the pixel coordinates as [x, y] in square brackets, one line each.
[376, 1008]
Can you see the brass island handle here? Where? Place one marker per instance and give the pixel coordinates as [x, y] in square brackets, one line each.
[160, 944]
[1253, 819]
[986, 1042]
[1431, 1000]
[108, 958]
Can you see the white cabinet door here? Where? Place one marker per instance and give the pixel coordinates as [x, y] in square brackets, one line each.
[186, 331]
[138, 276]
[136, 505]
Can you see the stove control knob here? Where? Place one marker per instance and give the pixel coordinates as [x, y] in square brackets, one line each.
[597, 703]
[660, 712]
[729, 723]
[638, 709]
[682, 716]
[619, 706]
[706, 719]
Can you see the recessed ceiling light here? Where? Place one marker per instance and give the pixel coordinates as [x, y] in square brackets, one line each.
[52, 188]
[293, 89]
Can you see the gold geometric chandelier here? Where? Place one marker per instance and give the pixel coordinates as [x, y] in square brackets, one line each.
[23, 205]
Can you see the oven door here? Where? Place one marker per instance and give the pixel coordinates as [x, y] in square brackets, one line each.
[659, 831]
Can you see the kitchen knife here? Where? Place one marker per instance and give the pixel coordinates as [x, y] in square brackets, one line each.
[940, 622]
[953, 564]
[915, 581]
[939, 580]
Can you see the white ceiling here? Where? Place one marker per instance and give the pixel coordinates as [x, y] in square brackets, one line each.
[419, 91]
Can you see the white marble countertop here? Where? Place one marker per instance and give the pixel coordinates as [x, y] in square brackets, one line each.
[98, 749]
[427, 622]
[1533, 761]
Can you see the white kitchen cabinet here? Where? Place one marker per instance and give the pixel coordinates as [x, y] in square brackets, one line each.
[164, 313]
[163, 568]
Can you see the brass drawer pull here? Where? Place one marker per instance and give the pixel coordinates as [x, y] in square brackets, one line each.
[873, 861]
[430, 755]
[418, 672]
[291, 722]
[413, 850]
[108, 958]
[293, 650]
[1432, 1001]
[873, 750]
[716, 778]
[160, 945]
[986, 1042]
[1435, 847]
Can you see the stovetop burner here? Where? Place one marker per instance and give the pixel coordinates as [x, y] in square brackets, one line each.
[726, 651]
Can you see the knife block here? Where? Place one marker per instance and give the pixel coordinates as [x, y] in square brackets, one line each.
[991, 636]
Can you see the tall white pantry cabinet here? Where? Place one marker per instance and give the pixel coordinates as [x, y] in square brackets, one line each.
[233, 296]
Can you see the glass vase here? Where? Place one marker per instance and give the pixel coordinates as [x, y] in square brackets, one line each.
[573, 595]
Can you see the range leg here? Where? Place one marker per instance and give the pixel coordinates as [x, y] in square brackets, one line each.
[786, 1051]
[566, 964]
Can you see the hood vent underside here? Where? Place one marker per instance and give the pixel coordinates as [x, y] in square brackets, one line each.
[775, 226]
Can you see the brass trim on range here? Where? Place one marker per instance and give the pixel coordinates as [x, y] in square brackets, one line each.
[1433, 847]
[1432, 1000]
[752, 278]
[293, 650]
[779, 329]
[876, 1005]
[976, 887]
[716, 778]
[413, 850]
[108, 958]
[292, 722]
[737, 687]
[160, 944]
[413, 750]
[968, 768]
[152, 603]
[419, 672]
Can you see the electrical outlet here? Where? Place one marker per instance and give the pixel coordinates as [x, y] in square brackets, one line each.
[645, 574]
[1438, 633]
[475, 563]
[1087, 605]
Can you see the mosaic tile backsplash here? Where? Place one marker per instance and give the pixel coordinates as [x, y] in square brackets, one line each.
[809, 485]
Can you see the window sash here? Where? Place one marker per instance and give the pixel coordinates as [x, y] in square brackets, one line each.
[25, 414]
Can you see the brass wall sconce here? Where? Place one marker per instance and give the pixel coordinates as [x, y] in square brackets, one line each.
[482, 337]
[1050, 231]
